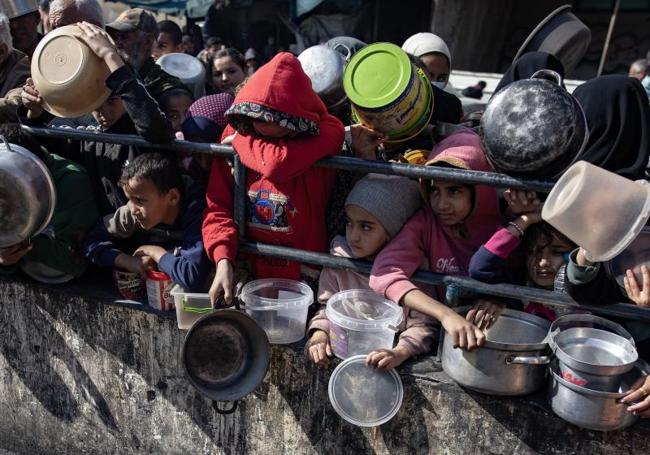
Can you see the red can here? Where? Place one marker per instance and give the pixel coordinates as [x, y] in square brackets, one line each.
[159, 286]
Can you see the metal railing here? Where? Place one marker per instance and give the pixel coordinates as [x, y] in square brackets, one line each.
[621, 310]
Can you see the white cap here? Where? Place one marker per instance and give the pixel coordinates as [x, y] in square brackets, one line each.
[425, 43]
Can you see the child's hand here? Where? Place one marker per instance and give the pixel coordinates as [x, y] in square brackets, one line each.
[222, 283]
[521, 202]
[153, 251]
[318, 348]
[31, 99]
[639, 392]
[229, 139]
[485, 313]
[365, 142]
[13, 254]
[641, 297]
[385, 359]
[464, 334]
[135, 264]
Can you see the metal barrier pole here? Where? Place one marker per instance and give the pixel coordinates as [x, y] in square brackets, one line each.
[240, 172]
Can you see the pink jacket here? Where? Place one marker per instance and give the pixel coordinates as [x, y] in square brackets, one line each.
[416, 332]
[423, 237]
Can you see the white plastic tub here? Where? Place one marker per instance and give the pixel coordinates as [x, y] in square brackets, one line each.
[279, 306]
[361, 321]
[189, 307]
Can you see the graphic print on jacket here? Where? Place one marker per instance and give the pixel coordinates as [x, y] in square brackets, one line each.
[270, 210]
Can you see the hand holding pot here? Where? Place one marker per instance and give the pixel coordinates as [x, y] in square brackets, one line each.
[521, 202]
[222, 283]
[639, 392]
[100, 43]
[485, 313]
[640, 297]
[318, 348]
[365, 142]
[463, 333]
[11, 255]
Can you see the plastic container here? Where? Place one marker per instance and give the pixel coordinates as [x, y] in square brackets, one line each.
[361, 321]
[632, 258]
[190, 307]
[130, 285]
[159, 286]
[388, 93]
[599, 210]
[363, 395]
[279, 306]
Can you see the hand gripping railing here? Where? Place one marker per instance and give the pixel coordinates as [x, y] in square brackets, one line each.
[621, 310]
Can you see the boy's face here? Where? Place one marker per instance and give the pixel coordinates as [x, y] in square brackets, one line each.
[176, 109]
[545, 261]
[363, 231]
[148, 206]
[450, 202]
[110, 112]
[163, 45]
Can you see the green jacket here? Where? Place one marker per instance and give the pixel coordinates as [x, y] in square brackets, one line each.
[75, 212]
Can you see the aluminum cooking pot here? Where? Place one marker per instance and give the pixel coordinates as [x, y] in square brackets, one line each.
[226, 356]
[325, 67]
[534, 127]
[512, 362]
[27, 194]
[593, 409]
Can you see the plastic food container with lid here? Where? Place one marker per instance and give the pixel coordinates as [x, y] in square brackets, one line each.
[279, 306]
[361, 321]
[190, 307]
[363, 395]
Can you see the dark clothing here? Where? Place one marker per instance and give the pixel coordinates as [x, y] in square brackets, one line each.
[618, 117]
[157, 81]
[527, 65]
[104, 161]
[446, 107]
[217, 23]
[185, 262]
[474, 91]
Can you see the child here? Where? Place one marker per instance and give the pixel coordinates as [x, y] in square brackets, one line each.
[282, 129]
[456, 221]
[164, 216]
[54, 256]
[376, 209]
[129, 110]
[545, 248]
[175, 104]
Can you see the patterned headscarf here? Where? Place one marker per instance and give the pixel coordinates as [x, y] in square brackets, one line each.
[205, 119]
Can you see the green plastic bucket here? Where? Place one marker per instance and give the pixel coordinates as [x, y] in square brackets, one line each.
[388, 93]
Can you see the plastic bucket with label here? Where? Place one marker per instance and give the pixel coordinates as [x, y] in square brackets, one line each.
[190, 307]
[361, 321]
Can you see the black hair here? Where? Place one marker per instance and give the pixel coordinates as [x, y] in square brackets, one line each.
[169, 94]
[236, 57]
[543, 233]
[15, 135]
[213, 40]
[44, 5]
[172, 29]
[482, 84]
[160, 170]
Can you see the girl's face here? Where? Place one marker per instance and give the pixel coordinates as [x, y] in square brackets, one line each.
[545, 261]
[363, 231]
[227, 75]
[437, 67]
[450, 202]
[110, 112]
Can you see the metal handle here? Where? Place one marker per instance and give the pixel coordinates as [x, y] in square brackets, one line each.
[528, 360]
[548, 75]
[347, 49]
[232, 409]
[4, 139]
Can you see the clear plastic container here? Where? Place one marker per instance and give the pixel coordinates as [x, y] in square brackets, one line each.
[632, 258]
[189, 307]
[279, 306]
[597, 209]
[361, 321]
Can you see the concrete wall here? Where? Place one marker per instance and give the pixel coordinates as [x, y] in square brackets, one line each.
[84, 375]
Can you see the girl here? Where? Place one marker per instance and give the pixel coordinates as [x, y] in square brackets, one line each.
[228, 70]
[456, 221]
[376, 209]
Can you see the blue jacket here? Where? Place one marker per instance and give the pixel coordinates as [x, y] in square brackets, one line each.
[119, 233]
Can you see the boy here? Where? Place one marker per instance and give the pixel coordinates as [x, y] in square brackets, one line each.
[163, 220]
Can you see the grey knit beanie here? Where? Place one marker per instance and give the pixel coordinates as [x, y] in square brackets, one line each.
[390, 198]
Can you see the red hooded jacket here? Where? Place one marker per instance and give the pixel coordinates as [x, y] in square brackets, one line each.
[287, 196]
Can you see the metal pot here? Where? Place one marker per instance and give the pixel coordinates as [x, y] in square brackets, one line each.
[325, 67]
[534, 127]
[593, 409]
[27, 194]
[592, 352]
[512, 361]
[226, 356]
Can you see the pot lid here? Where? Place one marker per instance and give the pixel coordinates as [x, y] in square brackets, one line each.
[362, 309]
[226, 355]
[363, 395]
[377, 75]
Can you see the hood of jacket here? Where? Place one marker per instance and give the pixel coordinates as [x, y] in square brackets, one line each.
[278, 92]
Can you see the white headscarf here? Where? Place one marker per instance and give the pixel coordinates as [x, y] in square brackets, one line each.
[426, 43]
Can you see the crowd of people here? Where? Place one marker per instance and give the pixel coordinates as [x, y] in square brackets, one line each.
[127, 207]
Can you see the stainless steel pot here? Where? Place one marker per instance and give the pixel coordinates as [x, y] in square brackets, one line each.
[592, 352]
[226, 355]
[325, 67]
[534, 127]
[27, 194]
[512, 361]
[593, 409]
